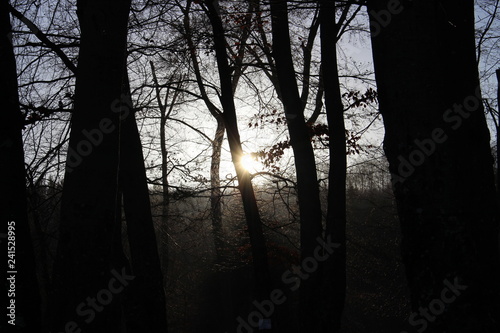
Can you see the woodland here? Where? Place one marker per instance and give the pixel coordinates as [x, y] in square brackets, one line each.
[245, 166]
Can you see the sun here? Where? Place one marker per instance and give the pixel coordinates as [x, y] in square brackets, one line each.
[250, 163]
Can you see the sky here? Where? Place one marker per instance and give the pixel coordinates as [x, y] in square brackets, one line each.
[187, 147]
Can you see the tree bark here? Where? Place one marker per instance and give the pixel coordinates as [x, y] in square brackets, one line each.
[334, 271]
[437, 145]
[14, 228]
[307, 183]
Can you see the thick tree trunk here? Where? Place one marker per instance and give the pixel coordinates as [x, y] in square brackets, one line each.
[334, 271]
[18, 273]
[90, 264]
[257, 240]
[307, 183]
[437, 145]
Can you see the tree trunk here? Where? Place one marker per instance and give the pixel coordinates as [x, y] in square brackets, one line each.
[147, 313]
[437, 145]
[498, 134]
[164, 166]
[334, 271]
[14, 228]
[307, 183]
[164, 115]
[90, 263]
[498, 146]
[257, 240]
[215, 192]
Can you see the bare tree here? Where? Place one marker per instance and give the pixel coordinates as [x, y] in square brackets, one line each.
[252, 215]
[307, 182]
[334, 268]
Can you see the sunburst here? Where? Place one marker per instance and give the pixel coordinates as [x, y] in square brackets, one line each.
[250, 163]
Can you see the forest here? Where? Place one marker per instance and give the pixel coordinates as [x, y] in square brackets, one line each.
[181, 166]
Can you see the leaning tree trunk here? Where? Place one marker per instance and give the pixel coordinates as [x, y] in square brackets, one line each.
[307, 183]
[437, 145]
[257, 239]
[90, 263]
[334, 269]
[18, 267]
[146, 310]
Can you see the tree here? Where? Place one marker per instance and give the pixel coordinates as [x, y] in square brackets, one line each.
[307, 182]
[105, 160]
[215, 183]
[252, 215]
[498, 132]
[334, 268]
[437, 145]
[20, 274]
[143, 312]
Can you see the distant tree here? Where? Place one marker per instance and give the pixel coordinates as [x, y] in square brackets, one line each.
[217, 141]
[437, 145]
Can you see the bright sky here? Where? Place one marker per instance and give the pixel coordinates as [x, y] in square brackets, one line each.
[186, 147]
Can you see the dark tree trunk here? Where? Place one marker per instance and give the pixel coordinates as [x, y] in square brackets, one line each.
[90, 256]
[498, 146]
[146, 295]
[437, 145]
[257, 240]
[14, 227]
[334, 270]
[498, 134]
[307, 183]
